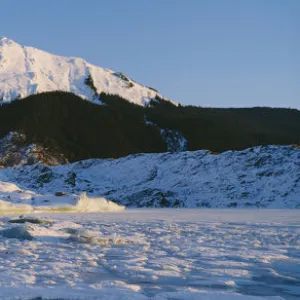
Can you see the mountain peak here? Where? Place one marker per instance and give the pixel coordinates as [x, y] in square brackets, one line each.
[25, 71]
[3, 39]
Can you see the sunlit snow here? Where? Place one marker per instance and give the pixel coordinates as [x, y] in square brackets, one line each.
[26, 70]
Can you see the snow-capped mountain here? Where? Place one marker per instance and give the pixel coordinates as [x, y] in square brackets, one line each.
[266, 177]
[26, 70]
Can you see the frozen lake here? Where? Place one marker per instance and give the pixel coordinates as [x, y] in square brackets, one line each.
[153, 254]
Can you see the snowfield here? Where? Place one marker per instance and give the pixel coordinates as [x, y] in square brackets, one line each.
[26, 71]
[160, 254]
[266, 177]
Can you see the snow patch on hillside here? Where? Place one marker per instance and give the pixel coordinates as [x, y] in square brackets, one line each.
[15, 151]
[174, 140]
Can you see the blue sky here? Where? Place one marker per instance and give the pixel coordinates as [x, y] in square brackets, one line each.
[200, 52]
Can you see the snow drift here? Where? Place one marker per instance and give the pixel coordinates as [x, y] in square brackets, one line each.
[11, 208]
[51, 203]
[17, 232]
[87, 204]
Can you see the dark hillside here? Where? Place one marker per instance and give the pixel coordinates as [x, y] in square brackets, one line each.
[81, 130]
[219, 129]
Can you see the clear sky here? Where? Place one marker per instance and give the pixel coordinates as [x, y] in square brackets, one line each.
[201, 52]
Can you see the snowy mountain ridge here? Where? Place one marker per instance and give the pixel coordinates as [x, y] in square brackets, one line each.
[26, 70]
[260, 177]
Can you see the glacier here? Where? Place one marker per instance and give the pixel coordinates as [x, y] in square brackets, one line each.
[259, 177]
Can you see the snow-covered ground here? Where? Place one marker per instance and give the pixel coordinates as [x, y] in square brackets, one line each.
[160, 254]
[267, 177]
[26, 70]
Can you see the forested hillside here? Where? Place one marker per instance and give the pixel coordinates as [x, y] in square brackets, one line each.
[80, 129]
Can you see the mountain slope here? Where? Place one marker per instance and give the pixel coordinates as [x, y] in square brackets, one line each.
[65, 124]
[25, 71]
[257, 177]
